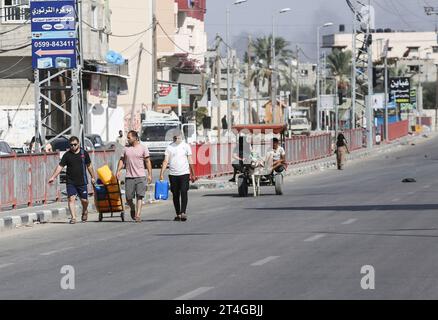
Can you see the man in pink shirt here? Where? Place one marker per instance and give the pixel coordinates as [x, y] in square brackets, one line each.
[135, 159]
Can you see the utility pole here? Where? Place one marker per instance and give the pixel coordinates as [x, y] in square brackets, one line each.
[436, 103]
[370, 111]
[434, 11]
[386, 99]
[134, 100]
[249, 80]
[154, 60]
[298, 77]
[228, 69]
[353, 74]
[217, 69]
[273, 75]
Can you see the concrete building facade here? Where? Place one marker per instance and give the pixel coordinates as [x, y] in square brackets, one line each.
[135, 19]
[17, 116]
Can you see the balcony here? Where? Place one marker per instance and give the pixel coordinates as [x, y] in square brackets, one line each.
[15, 14]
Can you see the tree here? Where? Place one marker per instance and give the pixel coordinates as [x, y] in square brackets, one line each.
[262, 56]
[339, 64]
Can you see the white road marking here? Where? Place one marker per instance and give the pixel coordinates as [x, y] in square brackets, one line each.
[395, 200]
[6, 265]
[194, 293]
[315, 237]
[55, 251]
[412, 192]
[350, 221]
[264, 261]
[427, 186]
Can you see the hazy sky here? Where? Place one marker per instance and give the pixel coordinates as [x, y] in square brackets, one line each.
[299, 25]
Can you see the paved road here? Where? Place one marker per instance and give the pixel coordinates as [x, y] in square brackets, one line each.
[310, 243]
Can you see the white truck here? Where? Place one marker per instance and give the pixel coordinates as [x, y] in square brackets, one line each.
[156, 136]
[300, 126]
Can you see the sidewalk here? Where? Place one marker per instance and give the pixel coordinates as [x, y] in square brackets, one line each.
[27, 217]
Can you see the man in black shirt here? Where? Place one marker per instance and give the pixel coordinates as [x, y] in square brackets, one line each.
[76, 160]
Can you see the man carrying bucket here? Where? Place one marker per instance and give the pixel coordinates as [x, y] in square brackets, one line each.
[136, 159]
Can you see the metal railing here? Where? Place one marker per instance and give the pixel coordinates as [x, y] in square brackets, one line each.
[24, 178]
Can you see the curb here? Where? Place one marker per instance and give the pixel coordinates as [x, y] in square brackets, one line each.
[29, 219]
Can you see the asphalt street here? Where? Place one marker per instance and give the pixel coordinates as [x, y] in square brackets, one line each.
[310, 243]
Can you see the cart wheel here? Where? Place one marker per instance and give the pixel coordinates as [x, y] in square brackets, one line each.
[278, 184]
[242, 186]
[100, 216]
[122, 216]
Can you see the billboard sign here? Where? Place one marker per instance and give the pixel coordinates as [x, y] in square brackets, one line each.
[54, 37]
[400, 90]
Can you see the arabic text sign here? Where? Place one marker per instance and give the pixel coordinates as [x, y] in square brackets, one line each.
[54, 38]
[400, 90]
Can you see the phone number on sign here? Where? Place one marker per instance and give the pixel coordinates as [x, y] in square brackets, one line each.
[49, 44]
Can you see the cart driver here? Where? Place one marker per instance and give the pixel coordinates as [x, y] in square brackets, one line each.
[278, 157]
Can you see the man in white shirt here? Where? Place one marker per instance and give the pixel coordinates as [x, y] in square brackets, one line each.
[278, 157]
[178, 156]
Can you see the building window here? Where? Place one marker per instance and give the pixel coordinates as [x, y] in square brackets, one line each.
[435, 49]
[95, 18]
[304, 72]
[413, 49]
[414, 68]
[15, 11]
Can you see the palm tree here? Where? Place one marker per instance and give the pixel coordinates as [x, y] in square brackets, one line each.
[261, 49]
[339, 64]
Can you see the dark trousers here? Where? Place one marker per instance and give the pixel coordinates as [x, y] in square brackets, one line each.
[179, 185]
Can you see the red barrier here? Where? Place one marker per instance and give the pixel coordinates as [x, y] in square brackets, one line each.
[398, 130]
[24, 179]
[354, 138]
[201, 159]
[424, 121]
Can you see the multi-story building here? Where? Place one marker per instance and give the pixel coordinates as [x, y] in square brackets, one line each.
[181, 49]
[409, 49]
[126, 21]
[17, 110]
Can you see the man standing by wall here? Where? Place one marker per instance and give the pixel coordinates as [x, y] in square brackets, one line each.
[76, 160]
[135, 158]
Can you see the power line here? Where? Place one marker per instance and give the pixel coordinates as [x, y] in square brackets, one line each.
[116, 35]
[171, 40]
[14, 73]
[17, 48]
[12, 65]
[16, 28]
[132, 44]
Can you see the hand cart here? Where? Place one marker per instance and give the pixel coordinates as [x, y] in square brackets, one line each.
[108, 199]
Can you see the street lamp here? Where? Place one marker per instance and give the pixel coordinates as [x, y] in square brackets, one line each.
[227, 36]
[318, 99]
[273, 75]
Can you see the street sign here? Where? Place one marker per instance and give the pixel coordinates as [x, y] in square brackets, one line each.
[400, 90]
[54, 36]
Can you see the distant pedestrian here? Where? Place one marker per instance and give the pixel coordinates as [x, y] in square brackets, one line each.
[178, 156]
[77, 161]
[224, 123]
[135, 158]
[121, 139]
[341, 151]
